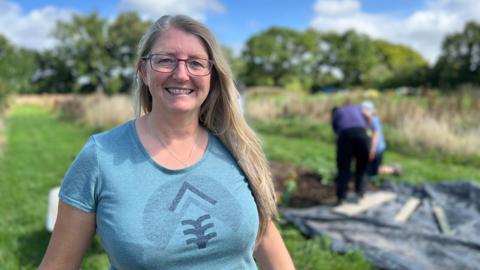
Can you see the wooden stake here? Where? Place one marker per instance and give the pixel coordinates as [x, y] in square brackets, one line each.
[442, 220]
[369, 201]
[407, 210]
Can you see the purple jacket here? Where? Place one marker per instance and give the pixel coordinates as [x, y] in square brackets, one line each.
[348, 116]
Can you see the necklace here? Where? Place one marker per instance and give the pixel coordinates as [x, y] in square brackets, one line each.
[183, 162]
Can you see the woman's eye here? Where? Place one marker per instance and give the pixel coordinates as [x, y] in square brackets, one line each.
[196, 63]
[164, 60]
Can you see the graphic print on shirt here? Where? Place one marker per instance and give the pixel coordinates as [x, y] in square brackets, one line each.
[199, 231]
[194, 205]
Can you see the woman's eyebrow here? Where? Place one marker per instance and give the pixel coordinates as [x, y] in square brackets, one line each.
[172, 54]
[201, 56]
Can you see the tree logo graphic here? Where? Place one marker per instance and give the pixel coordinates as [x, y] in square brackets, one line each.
[168, 208]
[198, 231]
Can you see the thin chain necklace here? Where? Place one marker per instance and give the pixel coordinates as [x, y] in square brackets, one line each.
[184, 163]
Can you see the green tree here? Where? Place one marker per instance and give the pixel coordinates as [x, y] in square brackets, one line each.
[235, 62]
[123, 37]
[459, 62]
[398, 65]
[82, 45]
[354, 55]
[273, 57]
[91, 55]
[16, 68]
[54, 74]
[6, 51]
[321, 62]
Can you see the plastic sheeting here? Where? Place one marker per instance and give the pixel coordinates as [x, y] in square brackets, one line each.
[415, 244]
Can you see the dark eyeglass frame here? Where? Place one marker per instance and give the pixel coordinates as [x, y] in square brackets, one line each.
[178, 60]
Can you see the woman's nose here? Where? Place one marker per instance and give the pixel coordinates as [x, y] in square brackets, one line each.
[181, 73]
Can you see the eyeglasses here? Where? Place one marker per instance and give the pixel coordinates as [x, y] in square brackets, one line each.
[166, 64]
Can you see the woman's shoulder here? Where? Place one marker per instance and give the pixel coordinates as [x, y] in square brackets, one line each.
[217, 147]
[115, 135]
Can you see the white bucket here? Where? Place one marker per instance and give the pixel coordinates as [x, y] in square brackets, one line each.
[52, 208]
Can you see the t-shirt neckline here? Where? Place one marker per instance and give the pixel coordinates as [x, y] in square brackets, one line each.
[143, 150]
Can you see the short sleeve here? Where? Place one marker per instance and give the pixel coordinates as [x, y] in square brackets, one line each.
[375, 124]
[78, 187]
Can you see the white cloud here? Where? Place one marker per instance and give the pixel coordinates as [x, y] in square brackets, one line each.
[337, 7]
[30, 30]
[423, 30]
[153, 9]
[33, 29]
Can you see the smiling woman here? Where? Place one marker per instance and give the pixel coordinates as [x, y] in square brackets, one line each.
[185, 185]
[174, 87]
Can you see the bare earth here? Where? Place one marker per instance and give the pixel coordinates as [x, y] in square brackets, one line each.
[310, 190]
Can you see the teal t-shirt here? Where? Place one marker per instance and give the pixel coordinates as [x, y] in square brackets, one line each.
[151, 217]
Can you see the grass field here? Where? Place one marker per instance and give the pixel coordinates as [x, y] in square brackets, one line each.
[39, 149]
[40, 146]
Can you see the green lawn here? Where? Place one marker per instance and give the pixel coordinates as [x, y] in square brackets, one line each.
[315, 254]
[40, 148]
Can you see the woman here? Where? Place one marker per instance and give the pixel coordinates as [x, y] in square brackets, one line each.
[377, 145]
[185, 185]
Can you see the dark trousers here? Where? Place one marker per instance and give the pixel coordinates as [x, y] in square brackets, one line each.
[375, 164]
[352, 144]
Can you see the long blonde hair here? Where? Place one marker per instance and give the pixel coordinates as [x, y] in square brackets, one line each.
[220, 113]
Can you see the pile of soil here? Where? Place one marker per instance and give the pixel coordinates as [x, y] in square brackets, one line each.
[310, 190]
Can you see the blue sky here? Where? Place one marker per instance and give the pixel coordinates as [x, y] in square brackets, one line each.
[421, 24]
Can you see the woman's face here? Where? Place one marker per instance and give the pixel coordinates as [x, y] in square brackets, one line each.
[177, 91]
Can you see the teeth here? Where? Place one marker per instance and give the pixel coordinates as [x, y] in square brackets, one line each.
[179, 91]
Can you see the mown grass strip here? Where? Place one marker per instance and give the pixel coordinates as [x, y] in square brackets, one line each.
[39, 149]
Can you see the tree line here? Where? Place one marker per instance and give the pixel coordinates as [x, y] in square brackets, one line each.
[95, 55]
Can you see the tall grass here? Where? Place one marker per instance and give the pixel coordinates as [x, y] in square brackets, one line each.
[430, 122]
[427, 132]
[266, 105]
[98, 111]
[49, 101]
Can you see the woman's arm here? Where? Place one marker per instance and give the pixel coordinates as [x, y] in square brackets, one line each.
[373, 146]
[73, 232]
[271, 252]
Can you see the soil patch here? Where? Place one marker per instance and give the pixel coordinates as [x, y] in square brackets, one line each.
[310, 190]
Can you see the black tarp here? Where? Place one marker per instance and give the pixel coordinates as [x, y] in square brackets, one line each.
[416, 244]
